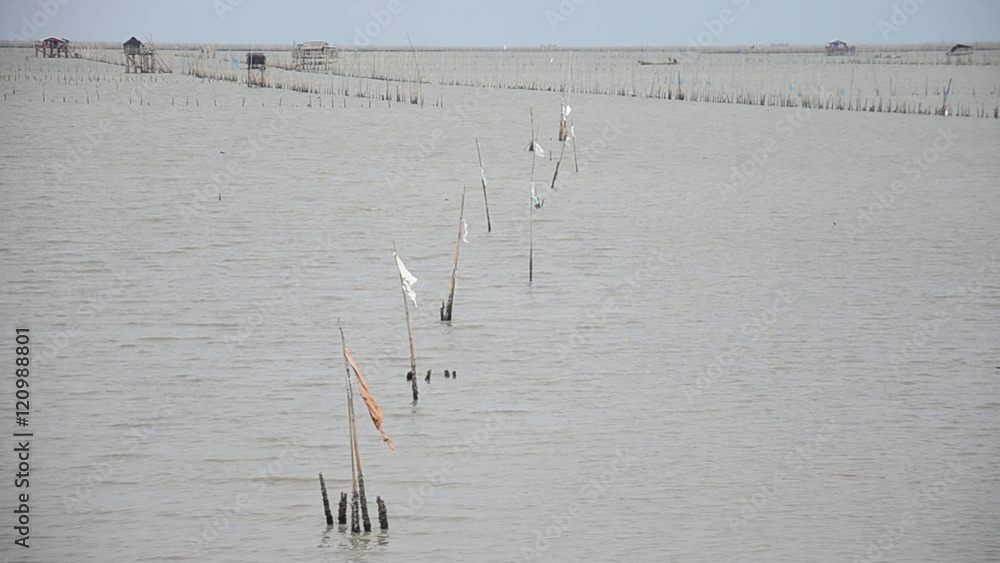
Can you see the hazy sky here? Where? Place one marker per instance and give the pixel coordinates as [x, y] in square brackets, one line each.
[507, 22]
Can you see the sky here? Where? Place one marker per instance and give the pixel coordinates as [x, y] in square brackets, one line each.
[515, 23]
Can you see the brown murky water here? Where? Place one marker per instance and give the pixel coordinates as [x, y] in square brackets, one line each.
[703, 369]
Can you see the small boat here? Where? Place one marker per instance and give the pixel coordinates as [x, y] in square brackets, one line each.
[657, 63]
[960, 50]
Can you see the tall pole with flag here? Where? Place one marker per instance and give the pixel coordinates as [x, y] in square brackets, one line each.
[376, 415]
[535, 149]
[482, 176]
[406, 282]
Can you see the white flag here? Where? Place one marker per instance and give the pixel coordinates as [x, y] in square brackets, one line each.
[572, 132]
[538, 148]
[535, 200]
[465, 232]
[408, 280]
[566, 110]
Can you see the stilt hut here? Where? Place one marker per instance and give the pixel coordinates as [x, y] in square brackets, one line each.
[142, 57]
[313, 55]
[256, 65]
[838, 47]
[138, 58]
[52, 47]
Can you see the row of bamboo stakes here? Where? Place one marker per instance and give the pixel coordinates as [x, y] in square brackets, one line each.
[858, 104]
[359, 515]
[406, 87]
[662, 90]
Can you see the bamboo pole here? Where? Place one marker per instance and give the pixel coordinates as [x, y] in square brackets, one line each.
[558, 162]
[355, 452]
[576, 161]
[447, 309]
[531, 238]
[531, 207]
[416, 65]
[355, 522]
[409, 330]
[944, 102]
[482, 177]
[352, 432]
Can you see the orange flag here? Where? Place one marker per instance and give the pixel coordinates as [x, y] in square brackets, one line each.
[373, 408]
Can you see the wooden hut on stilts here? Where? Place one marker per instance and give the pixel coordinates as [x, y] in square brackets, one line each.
[141, 58]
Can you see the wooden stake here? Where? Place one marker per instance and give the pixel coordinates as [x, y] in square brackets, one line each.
[342, 510]
[355, 524]
[446, 309]
[409, 330]
[326, 501]
[482, 177]
[366, 522]
[383, 514]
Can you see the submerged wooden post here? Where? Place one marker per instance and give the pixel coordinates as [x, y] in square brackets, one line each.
[326, 501]
[342, 510]
[383, 515]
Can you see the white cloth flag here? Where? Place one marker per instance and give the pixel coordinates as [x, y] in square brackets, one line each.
[566, 110]
[465, 232]
[536, 148]
[408, 280]
[535, 200]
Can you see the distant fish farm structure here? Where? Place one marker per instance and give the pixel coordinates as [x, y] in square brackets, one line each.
[314, 55]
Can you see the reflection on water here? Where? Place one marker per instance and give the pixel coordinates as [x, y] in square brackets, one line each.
[348, 547]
